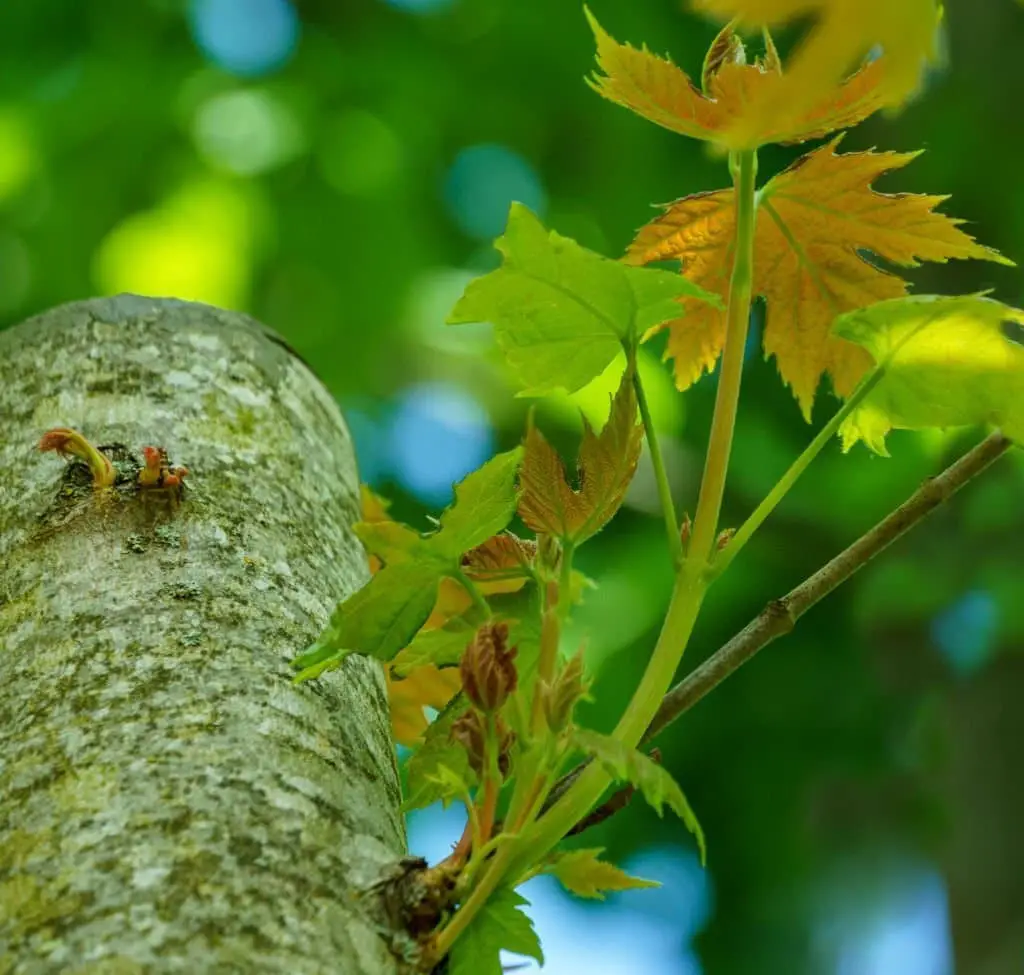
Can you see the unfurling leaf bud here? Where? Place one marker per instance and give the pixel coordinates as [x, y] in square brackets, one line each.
[470, 731]
[561, 696]
[685, 530]
[724, 537]
[488, 667]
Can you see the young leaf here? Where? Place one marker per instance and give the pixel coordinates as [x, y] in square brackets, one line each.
[377, 621]
[948, 362]
[441, 646]
[499, 925]
[562, 313]
[654, 782]
[660, 92]
[424, 687]
[845, 31]
[582, 873]
[815, 220]
[502, 558]
[485, 502]
[381, 618]
[425, 784]
[605, 466]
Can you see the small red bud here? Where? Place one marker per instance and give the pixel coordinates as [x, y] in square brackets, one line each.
[488, 667]
[724, 537]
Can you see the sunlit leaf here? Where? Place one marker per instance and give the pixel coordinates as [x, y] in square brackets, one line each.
[424, 687]
[843, 34]
[584, 874]
[815, 222]
[562, 313]
[605, 466]
[500, 924]
[485, 502]
[663, 93]
[653, 782]
[948, 362]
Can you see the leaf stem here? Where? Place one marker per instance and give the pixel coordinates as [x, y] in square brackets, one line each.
[675, 545]
[712, 488]
[786, 482]
[473, 590]
[691, 584]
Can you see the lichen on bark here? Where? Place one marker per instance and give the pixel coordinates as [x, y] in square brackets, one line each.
[169, 801]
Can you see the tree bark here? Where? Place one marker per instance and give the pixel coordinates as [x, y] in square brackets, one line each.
[169, 801]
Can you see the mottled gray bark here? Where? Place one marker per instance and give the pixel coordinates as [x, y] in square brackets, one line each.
[169, 802]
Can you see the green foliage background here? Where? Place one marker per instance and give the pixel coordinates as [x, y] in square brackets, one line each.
[853, 742]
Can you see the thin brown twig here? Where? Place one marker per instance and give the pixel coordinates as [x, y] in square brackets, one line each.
[780, 615]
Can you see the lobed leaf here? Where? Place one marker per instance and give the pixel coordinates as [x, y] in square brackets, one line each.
[605, 466]
[485, 502]
[655, 784]
[562, 313]
[948, 362]
[816, 222]
[582, 873]
[659, 91]
[843, 34]
[499, 925]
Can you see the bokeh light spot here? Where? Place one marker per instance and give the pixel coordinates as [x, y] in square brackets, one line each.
[196, 245]
[17, 153]
[360, 154]
[439, 433]
[247, 132]
[965, 633]
[245, 37]
[483, 182]
[895, 920]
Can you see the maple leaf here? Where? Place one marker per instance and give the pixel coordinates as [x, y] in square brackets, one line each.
[663, 93]
[562, 313]
[844, 32]
[605, 466]
[584, 874]
[413, 573]
[947, 362]
[814, 222]
[655, 783]
[499, 925]
[426, 686]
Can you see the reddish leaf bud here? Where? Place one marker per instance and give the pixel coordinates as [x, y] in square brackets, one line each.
[488, 668]
[563, 694]
[724, 537]
[470, 731]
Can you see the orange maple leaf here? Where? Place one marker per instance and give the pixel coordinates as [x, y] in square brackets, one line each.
[663, 93]
[843, 32]
[815, 221]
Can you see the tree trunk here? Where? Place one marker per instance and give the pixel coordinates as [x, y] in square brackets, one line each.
[169, 801]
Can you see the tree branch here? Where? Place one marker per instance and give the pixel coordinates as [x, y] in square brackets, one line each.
[781, 615]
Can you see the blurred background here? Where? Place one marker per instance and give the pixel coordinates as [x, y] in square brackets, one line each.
[338, 169]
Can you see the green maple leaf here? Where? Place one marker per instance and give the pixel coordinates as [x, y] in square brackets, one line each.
[584, 874]
[605, 466]
[654, 782]
[562, 313]
[947, 362]
[383, 617]
[500, 924]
